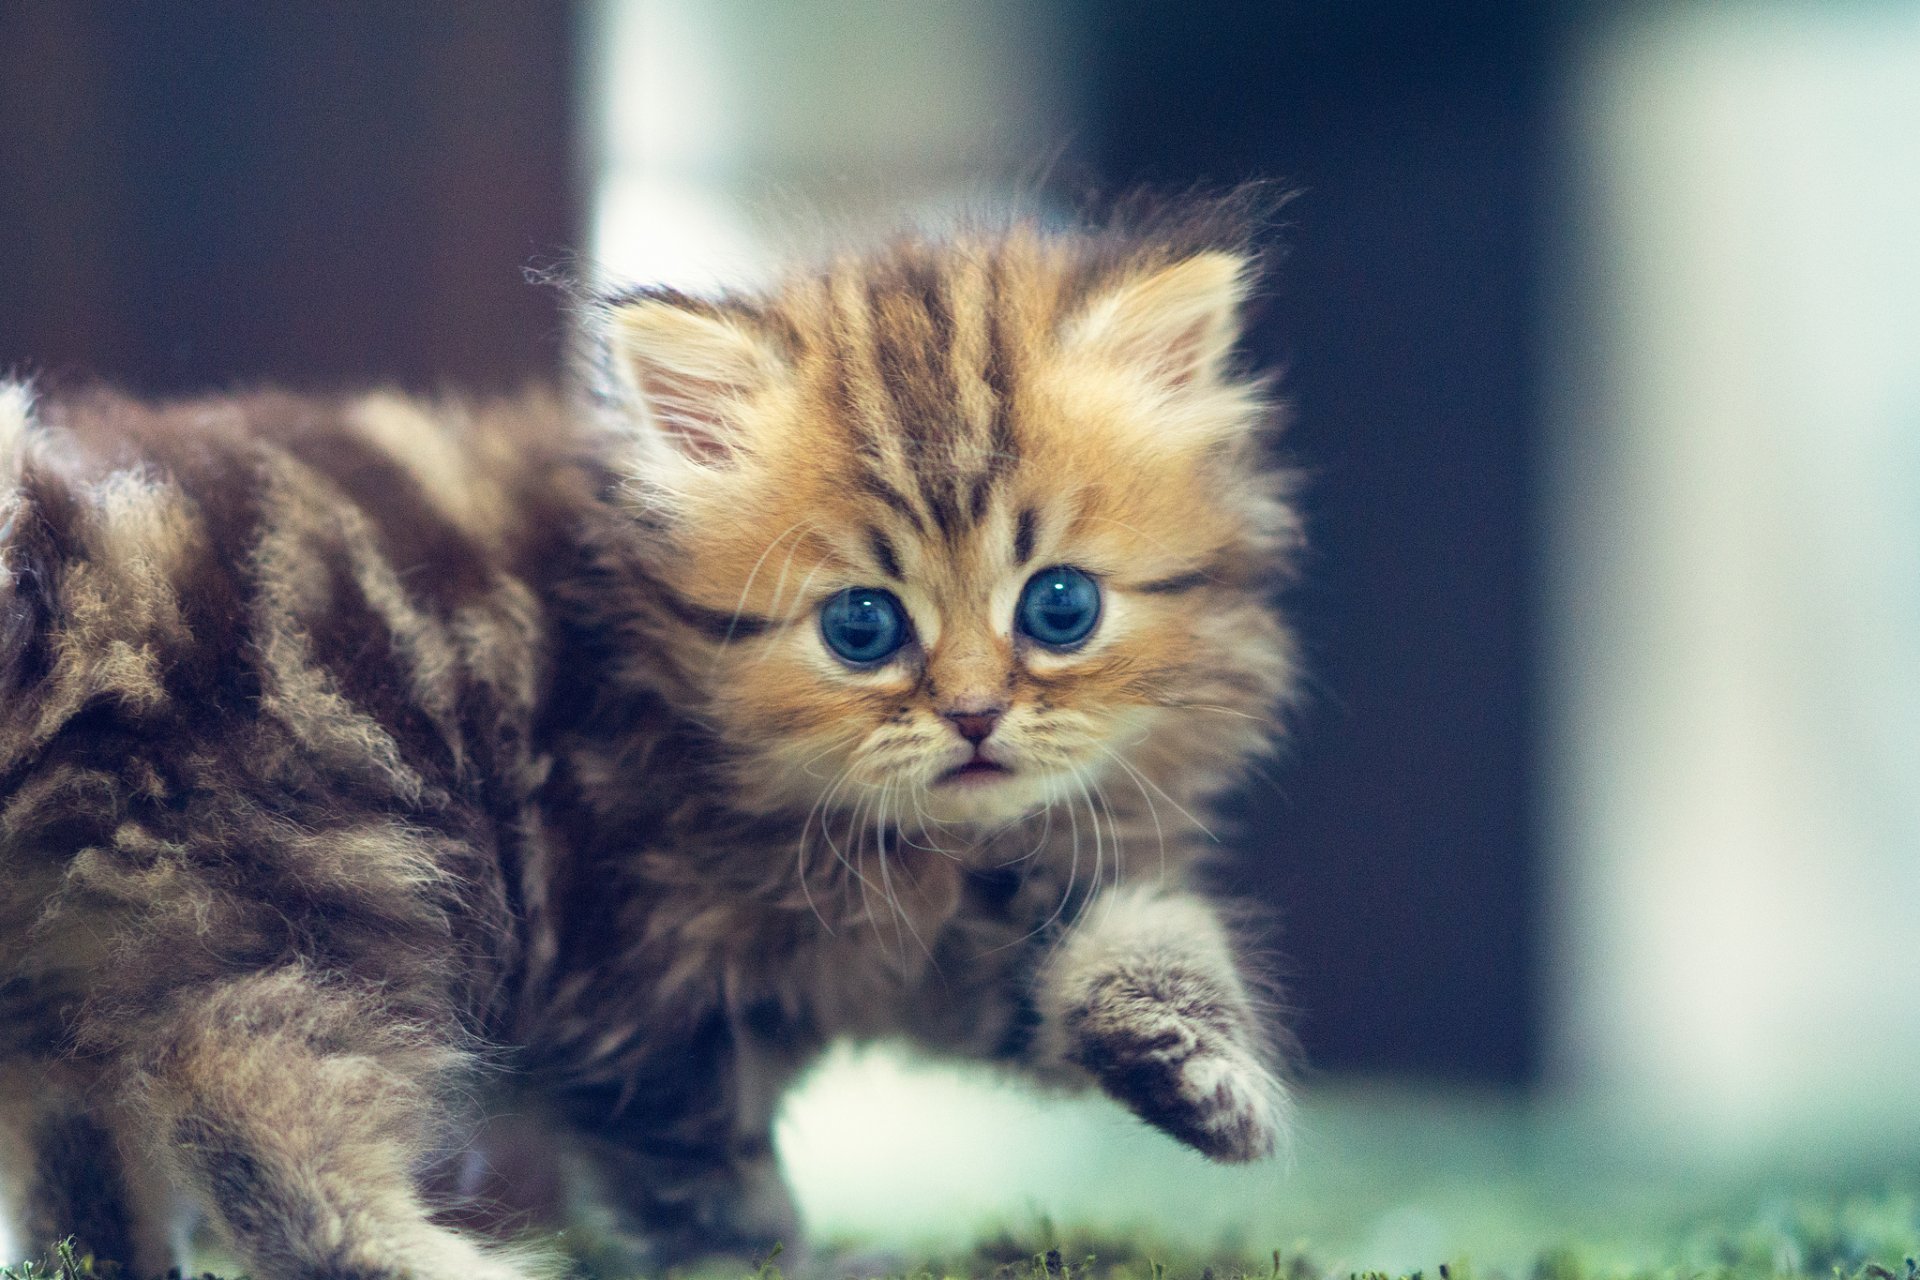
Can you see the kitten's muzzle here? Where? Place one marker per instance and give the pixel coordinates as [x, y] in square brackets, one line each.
[974, 726]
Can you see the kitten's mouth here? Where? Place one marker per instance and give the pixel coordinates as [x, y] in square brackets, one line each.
[975, 772]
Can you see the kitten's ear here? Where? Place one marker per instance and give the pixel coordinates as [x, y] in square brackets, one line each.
[1177, 323]
[692, 369]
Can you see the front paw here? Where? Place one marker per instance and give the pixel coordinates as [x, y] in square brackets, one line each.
[1185, 1067]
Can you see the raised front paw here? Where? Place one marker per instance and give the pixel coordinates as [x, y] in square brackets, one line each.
[1182, 1065]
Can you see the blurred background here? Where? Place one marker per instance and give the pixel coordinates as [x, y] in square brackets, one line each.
[1599, 846]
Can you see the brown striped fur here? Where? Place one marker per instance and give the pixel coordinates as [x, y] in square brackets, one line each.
[369, 764]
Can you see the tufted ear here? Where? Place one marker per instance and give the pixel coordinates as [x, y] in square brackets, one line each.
[16, 417]
[693, 370]
[16, 421]
[1176, 324]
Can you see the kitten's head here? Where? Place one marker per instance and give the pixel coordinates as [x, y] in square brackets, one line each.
[958, 529]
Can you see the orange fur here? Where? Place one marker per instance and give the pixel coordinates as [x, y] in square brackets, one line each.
[1138, 457]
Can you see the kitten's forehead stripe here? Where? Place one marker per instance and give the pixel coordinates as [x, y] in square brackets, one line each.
[922, 396]
[917, 372]
[1173, 585]
[941, 380]
[977, 500]
[715, 624]
[929, 287]
[1023, 535]
[967, 356]
[883, 552]
[855, 368]
[997, 373]
[872, 484]
[939, 497]
[862, 366]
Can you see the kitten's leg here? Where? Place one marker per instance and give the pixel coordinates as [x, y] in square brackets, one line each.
[71, 1176]
[504, 1179]
[296, 1113]
[687, 1163]
[672, 1210]
[1143, 994]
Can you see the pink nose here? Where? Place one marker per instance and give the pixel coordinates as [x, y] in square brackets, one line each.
[974, 726]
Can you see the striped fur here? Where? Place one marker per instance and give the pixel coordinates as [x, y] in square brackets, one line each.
[369, 764]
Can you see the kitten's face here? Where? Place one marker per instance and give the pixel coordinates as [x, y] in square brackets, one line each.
[962, 542]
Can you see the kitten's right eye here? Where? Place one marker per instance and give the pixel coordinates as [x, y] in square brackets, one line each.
[863, 625]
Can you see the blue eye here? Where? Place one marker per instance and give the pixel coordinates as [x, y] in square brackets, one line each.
[1059, 607]
[863, 625]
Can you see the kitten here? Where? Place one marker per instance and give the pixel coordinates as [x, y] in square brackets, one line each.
[855, 660]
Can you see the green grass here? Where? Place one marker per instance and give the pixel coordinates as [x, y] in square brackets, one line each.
[66, 1264]
[1860, 1236]
[978, 1183]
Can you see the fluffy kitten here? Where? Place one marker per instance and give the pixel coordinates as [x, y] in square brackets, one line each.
[854, 664]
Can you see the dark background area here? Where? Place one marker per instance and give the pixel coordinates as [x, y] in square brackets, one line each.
[1397, 841]
[195, 196]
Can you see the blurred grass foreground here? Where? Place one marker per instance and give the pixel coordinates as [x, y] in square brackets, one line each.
[917, 1170]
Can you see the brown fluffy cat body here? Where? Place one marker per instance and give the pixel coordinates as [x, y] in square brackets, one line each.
[855, 666]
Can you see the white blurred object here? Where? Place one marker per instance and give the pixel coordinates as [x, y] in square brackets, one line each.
[733, 133]
[884, 1146]
[1736, 657]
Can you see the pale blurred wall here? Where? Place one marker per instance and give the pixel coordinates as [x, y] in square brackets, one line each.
[732, 133]
[1735, 576]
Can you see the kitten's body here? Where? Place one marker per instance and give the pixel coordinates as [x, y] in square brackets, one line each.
[361, 758]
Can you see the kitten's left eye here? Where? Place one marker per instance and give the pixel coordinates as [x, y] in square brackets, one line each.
[863, 625]
[1059, 607]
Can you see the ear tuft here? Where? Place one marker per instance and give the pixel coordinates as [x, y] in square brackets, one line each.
[692, 370]
[1176, 324]
[16, 416]
[16, 421]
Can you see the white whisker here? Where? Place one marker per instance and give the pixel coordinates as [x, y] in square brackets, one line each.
[780, 583]
[800, 857]
[1141, 778]
[1073, 872]
[741, 604]
[1153, 810]
[1113, 826]
[772, 640]
[1209, 706]
[1099, 841]
[899, 911]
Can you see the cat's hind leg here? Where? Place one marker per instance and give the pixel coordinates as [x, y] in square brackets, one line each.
[719, 1207]
[297, 1111]
[72, 1174]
